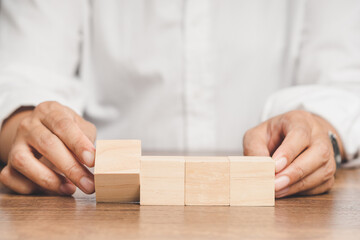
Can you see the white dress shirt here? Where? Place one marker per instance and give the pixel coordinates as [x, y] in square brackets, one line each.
[184, 75]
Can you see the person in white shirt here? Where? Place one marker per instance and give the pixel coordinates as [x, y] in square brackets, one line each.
[267, 78]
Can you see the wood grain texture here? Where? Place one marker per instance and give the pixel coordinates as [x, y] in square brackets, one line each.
[335, 215]
[113, 156]
[162, 180]
[207, 181]
[252, 181]
[117, 167]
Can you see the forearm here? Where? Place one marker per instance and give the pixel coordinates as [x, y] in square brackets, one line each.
[9, 129]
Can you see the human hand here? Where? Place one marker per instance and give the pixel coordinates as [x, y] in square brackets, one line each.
[48, 149]
[298, 141]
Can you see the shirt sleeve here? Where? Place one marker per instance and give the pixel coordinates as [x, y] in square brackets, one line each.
[40, 43]
[327, 76]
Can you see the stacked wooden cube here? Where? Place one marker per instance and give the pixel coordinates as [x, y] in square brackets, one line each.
[123, 175]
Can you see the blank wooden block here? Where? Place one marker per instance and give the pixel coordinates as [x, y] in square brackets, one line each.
[207, 181]
[162, 180]
[252, 181]
[117, 167]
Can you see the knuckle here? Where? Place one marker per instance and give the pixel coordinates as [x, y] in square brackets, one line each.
[247, 135]
[303, 132]
[301, 184]
[26, 190]
[63, 123]
[46, 141]
[286, 118]
[24, 124]
[17, 159]
[43, 107]
[249, 147]
[324, 150]
[250, 135]
[5, 179]
[46, 107]
[254, 142]
[309, 192]
[53, 104]
[306, 114]
[78, 144]
[287, 121]
[73, 171]
[4, 175]
[48, 182]
[296, 115]
[299, 172]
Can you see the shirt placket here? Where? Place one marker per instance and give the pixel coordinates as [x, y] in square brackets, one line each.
[199, 77]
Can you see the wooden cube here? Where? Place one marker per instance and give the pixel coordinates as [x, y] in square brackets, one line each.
[117, 168]
[162, 180]
[207, 181]
[252, 181]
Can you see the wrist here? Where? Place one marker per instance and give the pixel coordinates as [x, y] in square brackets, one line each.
[9, 129]
[329, 128]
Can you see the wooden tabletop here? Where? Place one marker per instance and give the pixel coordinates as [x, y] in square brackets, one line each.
[335, 215]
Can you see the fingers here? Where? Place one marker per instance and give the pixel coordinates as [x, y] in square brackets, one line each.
[87, 128]
[301, 149]
[50, 147]
[49, 164]
[325, 187]
[305, 164]
[63, 125]
[22, 159]
[313, 181]
[308, 189]
[310, 169]
[255, 142]
[16, 182]
[297, 139]
[53, 149]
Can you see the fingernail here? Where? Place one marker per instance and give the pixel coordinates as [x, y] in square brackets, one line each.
[281, 193]
[280, 164]
[67, 188]
[281, 182]
[88, 158]
[87, 185]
